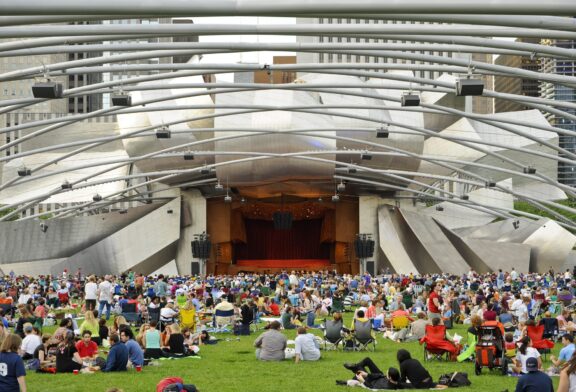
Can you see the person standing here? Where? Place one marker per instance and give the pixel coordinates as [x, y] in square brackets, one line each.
[12, 371]
[105, 296]
[307, 347]
[434, 302]
[534, 380]
[91, 293]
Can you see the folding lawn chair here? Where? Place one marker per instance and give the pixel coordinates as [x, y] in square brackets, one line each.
[363, 338]
[332, 334]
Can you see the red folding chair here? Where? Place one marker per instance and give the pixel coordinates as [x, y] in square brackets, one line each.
[436, 346]
[535, 333]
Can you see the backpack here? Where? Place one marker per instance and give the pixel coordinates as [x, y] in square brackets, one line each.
[455, 380]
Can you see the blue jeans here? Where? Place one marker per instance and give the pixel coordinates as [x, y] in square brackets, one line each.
[101, 308]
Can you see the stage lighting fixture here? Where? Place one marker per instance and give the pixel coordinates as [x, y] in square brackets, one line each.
[516, 224]
[490, 184]
[409, 99]
[469, 87]
[320, 200]
[66, 185]
[529, 170]
[335, 198]
[170, 211]
[97, 197]
[43, 227]
[227, 199]
[351, 170]
[24, 171]
[242, 200]
[439, 208]
[48, 89]
[121, 100]
[366, 156]
[219, 186]
[382, 133]
[123, 211]
[188, 156]
[163, 133]
[341, 187]
[465, 197]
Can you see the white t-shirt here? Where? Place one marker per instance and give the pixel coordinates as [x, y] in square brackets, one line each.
[531, 352]
[30, 343]
[307, 347]
[91, 290]
[105, 289]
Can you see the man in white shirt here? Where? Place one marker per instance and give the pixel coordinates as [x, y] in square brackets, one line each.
[29, 343]
[91, 293]
[307, 348]
[105, 296]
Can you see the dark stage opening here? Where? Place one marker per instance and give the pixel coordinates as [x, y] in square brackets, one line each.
[263, 242]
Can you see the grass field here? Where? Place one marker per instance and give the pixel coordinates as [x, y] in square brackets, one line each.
[231, 366]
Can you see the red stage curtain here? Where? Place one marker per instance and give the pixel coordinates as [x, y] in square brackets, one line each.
[301, 242]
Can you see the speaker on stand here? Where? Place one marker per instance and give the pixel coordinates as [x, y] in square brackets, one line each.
[201, 247]
[364, 248]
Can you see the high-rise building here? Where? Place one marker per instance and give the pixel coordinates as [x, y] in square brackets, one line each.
[516, 85]
[558, 92]
[481, 105]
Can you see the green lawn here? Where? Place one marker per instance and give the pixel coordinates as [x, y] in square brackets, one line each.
[231, 366]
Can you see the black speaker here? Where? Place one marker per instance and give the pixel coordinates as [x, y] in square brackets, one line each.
[201, 249]
[164, 133]
[468, 87]
[364, 248]
[121, 100]
[282, 220]
[410, 100]
[195, 268]
[47, 90]
[370, 267]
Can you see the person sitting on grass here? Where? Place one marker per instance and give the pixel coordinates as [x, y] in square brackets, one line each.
[374, 378]
[87, 349]
[67, 357]
[412, 371]
[525, 351]
[117, 357]
[534, 380]
[13, 373]
[151, 340]
[29, 343]
[91, 324]
[307, 347]
[565, 354]
[174, 341]
[135, 352]
[271, 344]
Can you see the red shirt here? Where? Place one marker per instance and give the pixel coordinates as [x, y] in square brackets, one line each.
[432, 308]
[86, 350]
[275, 309]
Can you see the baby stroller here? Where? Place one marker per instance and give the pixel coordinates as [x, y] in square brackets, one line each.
[490, 351]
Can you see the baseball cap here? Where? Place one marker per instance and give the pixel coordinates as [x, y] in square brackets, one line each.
[532, 364]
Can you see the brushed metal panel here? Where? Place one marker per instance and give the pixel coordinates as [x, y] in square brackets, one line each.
[391, 245]
[435, 243]
[23, 241]
[130, 246]
[487, 256]
[551, 244]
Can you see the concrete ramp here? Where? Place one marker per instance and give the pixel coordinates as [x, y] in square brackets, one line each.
[144, 246]
[391, 244]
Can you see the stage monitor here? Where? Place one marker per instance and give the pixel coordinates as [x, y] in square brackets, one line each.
[282, 220]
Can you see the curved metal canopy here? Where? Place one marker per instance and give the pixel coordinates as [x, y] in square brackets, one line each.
[341, 132]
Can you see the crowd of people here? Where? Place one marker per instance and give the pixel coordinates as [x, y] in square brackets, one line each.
[175, 316]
